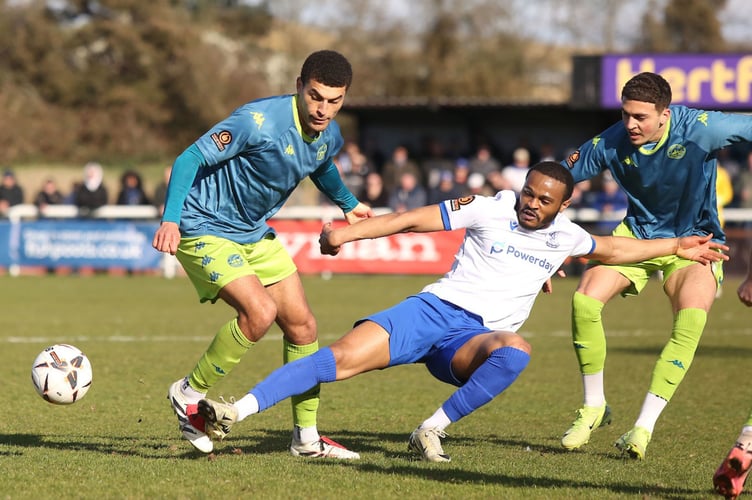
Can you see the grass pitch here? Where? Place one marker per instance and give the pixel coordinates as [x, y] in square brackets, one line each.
[142, 333]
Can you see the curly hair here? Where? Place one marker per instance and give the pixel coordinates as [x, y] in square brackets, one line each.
[555, 171]
[328, 67]
[648, 87]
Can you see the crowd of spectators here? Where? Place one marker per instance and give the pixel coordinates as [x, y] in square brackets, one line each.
[402, 180]
[88, 193]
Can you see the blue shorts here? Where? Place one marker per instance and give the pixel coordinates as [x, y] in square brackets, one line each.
[425, 329]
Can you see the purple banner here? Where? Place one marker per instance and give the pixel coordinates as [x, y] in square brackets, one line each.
[705, 81]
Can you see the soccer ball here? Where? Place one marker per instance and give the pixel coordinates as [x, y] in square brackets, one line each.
[61, 374]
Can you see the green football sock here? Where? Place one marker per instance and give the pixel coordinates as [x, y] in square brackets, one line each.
[304, 406]
[225, 351]
[678, 354]
[588, 336]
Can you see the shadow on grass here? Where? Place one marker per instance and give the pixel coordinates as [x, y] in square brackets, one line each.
[714, 351]
[261, 441]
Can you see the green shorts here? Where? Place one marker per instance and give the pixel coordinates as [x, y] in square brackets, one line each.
[640, 273]
[212, 262]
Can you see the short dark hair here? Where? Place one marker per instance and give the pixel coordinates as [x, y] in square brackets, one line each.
[648, 87]
[328, 67]
[556, 171]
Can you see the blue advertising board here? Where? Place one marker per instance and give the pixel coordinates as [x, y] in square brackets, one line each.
[99, 244]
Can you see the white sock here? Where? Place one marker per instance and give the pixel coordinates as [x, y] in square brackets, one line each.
[744, 437]
[651, 410]
[593, 388]
[191, 394]
[438, 420]
[306, 434]
[247, 405]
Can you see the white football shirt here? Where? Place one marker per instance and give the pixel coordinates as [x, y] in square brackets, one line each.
[500, 267]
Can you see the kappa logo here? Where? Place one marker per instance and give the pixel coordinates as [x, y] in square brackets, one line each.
[677, 363]
[676, 152]
[221, 139]
[258, 118]
[703, 118]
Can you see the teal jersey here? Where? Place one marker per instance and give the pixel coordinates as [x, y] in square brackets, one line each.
[671, 185]
[252, 161]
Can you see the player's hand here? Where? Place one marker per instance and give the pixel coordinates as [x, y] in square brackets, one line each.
[360, 212]
[745, 292]
[167, 238]
[701, 249]
[326, 247]
[548, 286]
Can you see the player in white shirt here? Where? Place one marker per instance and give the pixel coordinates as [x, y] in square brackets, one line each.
[463, 326]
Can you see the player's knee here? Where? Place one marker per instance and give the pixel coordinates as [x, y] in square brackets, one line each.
[507, 339]
[585, 308]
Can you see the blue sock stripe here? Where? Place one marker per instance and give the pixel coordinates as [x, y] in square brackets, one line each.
[491, 378]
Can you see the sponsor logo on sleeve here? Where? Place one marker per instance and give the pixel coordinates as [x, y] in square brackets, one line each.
[221, 139]
[572, 158]
[458, 203]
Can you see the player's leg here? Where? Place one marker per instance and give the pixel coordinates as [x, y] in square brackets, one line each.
[215, 273]
[364, 348]
[729, 479]
[598, 285]
[483, 364]
[691, 289]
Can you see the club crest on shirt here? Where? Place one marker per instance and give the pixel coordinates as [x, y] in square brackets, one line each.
[572, 158]
[456, 204]
[221, 139]
[551, 239]
[676, 151]
[321, 153]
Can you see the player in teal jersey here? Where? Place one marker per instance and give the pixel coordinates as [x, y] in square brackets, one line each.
[221, 193]
[664, 158]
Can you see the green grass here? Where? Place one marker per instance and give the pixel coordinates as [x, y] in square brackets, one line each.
[142, 333]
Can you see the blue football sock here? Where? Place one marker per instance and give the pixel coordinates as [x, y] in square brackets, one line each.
[490, 379]
[296, 378]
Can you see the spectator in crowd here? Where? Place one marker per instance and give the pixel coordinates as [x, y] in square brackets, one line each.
[160, 192]
[399, 163]
[476, 185]
[611, 202]
[484, 163]
[724, 191]
[435, 163]
[744, 187]
[461, 173]
[583, 195]
[91, 193]
[353, 166]
[373, 193]
[408, 195]
[445, 190]
[497, 182]
[132, 190]
[516, 172]
[11, 193]
[49, 194]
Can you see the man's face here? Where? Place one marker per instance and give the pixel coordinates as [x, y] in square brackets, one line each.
[541, 199]
[318, 105]
[643, 121]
